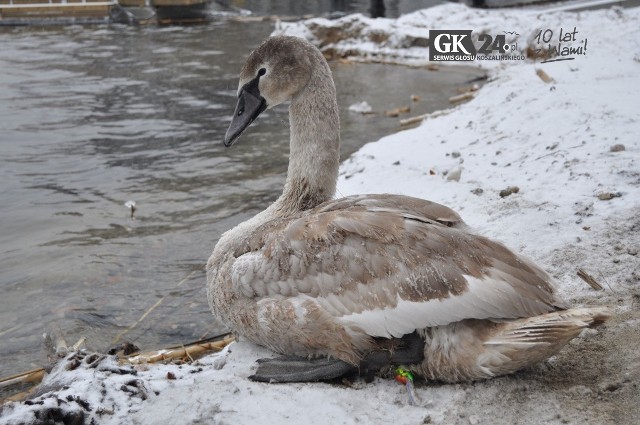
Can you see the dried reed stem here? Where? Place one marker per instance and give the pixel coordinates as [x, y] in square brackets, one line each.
[190, 351]
[149, 310]
[32, 376]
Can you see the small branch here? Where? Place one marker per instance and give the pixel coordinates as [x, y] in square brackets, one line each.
[544, 76]
[464, 96]
[589, 279]
[419, 118]
[397, 111]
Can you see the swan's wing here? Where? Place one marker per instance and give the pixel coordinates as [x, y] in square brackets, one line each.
[398, 204]
[389, 273]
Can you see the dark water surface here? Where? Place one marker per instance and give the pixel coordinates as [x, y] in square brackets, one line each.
[91, 117]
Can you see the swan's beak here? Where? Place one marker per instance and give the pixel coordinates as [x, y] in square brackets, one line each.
[250, 105]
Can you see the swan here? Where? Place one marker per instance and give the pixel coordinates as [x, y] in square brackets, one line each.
[367, 282]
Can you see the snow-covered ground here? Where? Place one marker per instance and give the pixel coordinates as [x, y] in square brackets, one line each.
[578, 206]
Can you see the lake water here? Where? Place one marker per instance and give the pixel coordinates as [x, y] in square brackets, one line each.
[91, 117]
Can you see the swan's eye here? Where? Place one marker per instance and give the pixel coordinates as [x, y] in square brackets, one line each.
[262, 72]
[241, 106]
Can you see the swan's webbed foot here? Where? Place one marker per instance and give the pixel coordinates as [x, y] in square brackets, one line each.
[407, 350]
[300, 369]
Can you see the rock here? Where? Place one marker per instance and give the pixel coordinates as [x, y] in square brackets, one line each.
[477, 191]
[607, 196]
[508, 191]
[580, 391]
[474, 420]
[454, 174]
[584, 209]
[455, 154]
[219, 362]
[609, 386]
[618, 147]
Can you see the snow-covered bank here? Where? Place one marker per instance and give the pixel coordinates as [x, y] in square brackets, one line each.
[577, 207]
[406, 39]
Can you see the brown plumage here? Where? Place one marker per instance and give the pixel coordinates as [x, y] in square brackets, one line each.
[311, 276]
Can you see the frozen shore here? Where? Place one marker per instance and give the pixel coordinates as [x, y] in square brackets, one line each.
[570, 145]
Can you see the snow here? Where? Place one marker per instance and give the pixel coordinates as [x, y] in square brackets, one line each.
[551, 140]
[361, 107]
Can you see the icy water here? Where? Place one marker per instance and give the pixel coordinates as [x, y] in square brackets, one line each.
[91, 117]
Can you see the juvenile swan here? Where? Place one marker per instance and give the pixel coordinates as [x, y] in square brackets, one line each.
[369, 281]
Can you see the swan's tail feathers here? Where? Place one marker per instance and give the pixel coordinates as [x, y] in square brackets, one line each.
[598, 315]
[518, 343]
[550, 327]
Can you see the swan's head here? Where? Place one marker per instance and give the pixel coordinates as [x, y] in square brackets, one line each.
[275, 72]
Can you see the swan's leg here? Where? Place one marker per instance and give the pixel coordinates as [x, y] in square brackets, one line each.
[405, 351]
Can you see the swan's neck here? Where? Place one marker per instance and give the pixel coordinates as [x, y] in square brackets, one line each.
[313, 160]
[314, 155]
